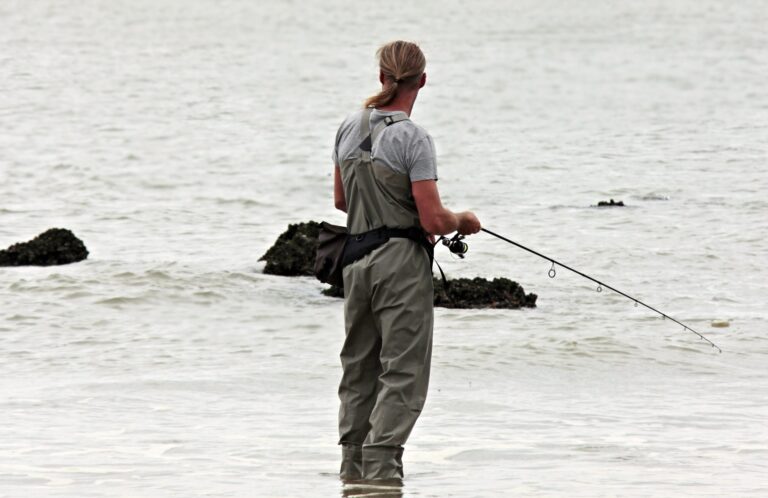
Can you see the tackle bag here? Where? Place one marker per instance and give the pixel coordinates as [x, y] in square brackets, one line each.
[330, 252]
[337, 249]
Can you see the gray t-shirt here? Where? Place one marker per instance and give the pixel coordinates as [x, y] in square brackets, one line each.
[403, 146]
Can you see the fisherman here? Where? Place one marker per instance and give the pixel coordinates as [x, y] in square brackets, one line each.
[385, 180]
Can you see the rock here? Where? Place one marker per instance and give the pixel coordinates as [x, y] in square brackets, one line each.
[610, 203]
[333, 291]
[293, 254]
[482, 293]
[56, 246]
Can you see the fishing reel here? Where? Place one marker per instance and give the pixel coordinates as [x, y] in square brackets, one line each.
[456, 245]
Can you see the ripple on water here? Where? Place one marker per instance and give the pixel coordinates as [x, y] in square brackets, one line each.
[21, 318]
[481, 454]
[158, 275]
[78, 294]
[119, 301]
[653, 196]
[241, 202]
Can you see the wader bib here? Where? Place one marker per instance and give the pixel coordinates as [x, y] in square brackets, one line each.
[388, 314]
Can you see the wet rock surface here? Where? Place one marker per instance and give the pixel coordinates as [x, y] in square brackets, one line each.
[333, 291]
[293, 254]
[610, 203]
[55, 246]
[482, 293]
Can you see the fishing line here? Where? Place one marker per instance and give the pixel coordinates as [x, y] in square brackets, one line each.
[553, 272]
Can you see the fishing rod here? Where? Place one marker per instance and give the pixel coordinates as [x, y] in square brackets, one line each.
[457, 246]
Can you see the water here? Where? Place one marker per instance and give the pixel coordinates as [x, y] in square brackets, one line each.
[178, 139]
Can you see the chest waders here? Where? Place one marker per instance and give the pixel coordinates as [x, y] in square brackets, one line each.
[388, 315]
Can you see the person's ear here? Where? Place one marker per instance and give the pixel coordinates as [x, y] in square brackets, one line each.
[381, 76]
[423, 80]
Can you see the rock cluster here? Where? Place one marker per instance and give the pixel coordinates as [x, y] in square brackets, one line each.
[55, 246]
[481, 293]
[610, 203]
[293, 254]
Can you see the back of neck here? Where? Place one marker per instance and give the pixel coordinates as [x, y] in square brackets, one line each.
[402, 102]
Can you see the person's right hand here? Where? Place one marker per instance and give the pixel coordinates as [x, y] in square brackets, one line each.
[468, 223]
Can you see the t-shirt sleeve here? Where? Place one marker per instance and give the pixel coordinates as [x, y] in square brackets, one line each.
[423, 161]
[335, 153]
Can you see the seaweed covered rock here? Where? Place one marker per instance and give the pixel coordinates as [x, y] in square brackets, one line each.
[55, 246]
[333, 291]
[472, 293]
[482, 293]
[610, 203]
[293, 254]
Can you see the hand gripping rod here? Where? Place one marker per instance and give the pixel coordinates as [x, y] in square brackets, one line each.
[600, 285]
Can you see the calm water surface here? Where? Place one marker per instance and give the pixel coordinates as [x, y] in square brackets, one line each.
[178, 139]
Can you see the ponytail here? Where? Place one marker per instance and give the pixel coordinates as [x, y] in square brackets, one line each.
[402, 64]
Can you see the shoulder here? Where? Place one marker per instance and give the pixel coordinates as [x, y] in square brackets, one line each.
[351, 120]
[354, 116]
[406, 128]
[416, 132]
[418, 140]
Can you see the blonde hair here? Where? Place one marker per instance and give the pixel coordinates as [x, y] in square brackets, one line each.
[402, 64]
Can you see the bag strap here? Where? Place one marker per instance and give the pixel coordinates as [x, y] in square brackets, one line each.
[417, 235]
[420, 237]
[446, 285]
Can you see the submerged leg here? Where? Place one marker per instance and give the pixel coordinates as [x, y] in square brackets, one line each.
[383, 462]
[351, 462]
[402, 302]
[361, 368]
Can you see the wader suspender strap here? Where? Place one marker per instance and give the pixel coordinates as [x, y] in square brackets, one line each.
[365, 133]
[365, 177]
[357, 246]
[367, 138]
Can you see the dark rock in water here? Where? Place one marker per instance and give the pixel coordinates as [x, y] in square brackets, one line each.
[293, 254]
[610, 203]
[56, 246]
[472, 293]
[333, 291]
[482, 293]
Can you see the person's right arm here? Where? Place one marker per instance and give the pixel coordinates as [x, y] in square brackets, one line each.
[435, 218]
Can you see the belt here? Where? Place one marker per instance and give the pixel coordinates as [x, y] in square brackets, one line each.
[359, 245]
